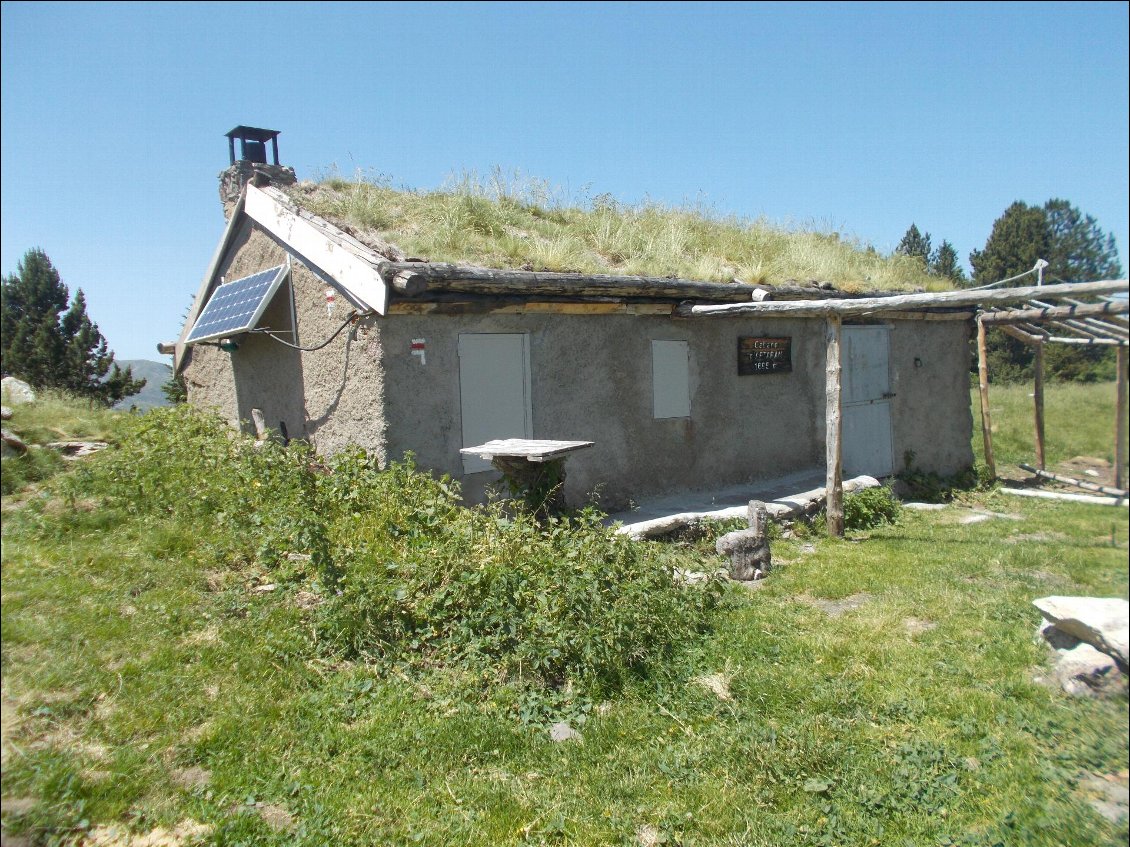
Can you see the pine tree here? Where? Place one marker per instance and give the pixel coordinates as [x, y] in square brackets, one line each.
[1079, 251]
[943, 263]
[1020, 236]
[1076, 250]
[49, 348]
[914, 243]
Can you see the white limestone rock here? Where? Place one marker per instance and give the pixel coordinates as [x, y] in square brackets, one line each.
[1085, 671]
[1103, 622]
[16, 391]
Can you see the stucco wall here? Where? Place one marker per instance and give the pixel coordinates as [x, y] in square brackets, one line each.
[331, 396]
[261, 374]
[591, 380]
[931, 415]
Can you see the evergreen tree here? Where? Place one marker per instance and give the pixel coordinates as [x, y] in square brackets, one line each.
[914, 243]
[1020, 236]
[1079, 251]
[1076, 250]
[943, 263]
[175, 390]
[49, 348]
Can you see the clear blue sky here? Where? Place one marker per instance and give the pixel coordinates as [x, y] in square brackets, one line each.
[861, 118]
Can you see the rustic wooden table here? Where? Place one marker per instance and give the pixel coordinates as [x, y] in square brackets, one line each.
[534, 469]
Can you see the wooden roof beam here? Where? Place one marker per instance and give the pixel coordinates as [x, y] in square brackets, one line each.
[1050, 312]
[878, 306]
[412, 279]
[1020, 334]
[1094, 342]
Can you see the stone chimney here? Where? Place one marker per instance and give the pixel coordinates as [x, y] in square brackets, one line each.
[252, 161]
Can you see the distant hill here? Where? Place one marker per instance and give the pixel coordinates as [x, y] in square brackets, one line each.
[155, 375]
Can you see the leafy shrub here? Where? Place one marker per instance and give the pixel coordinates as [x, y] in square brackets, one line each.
[419, 577]
[33, 466]
[930, 487]
[180, 463]
[407, 574]
[870, 507]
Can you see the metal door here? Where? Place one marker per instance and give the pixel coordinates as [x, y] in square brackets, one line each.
[867, 447]
[494, 391]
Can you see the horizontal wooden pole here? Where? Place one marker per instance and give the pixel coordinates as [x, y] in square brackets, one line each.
[1079, 483]
[418, 277]
[881, 305]
[1087, 342]
[512, 306]
[1016, 332]
[1074, 498]
[1055, 312]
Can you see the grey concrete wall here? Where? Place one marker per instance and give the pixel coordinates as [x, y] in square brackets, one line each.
[261, 374]
[344, 381]
[930, 412]
[591, 380]
[332, 396]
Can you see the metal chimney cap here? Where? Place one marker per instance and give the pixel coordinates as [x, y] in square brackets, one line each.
[252, 133]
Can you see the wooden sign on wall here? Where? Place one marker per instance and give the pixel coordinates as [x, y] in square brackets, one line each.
[757, 355]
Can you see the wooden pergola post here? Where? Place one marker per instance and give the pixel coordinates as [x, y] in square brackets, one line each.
[983, 385]
[1120, 420]
[1038, 397]
[833, 486]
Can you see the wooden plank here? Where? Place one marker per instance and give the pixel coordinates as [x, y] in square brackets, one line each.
[1094, 329]
[1099, 342]
[352, 271]
[412, 307]
[1038, 403]
[881, 305]
[929, 316]
[983, 385]
[1120, 419]
[1050, 312]
[832, 432]
[444, 276]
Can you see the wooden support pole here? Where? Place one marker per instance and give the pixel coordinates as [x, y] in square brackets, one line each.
[1120, 420]
[1038, 398]
[833, 446]
[983, 384]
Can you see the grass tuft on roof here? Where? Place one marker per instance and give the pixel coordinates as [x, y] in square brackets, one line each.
[519, 222]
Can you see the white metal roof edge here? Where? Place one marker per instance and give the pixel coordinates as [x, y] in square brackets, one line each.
[209, 276]
[321, 244]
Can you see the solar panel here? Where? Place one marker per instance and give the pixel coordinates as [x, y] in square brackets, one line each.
[236, 306]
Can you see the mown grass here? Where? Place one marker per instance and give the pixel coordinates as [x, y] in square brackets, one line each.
[148, 682]
[512, 222]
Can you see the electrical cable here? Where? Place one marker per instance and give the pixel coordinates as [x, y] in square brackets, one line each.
[274, 336]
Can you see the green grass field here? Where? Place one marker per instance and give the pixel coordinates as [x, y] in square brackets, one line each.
[162, 686]
[1078, 421]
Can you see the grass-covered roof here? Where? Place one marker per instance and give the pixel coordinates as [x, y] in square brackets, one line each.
[520, 224]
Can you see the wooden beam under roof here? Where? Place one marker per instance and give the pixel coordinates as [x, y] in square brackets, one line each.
[878, 306]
